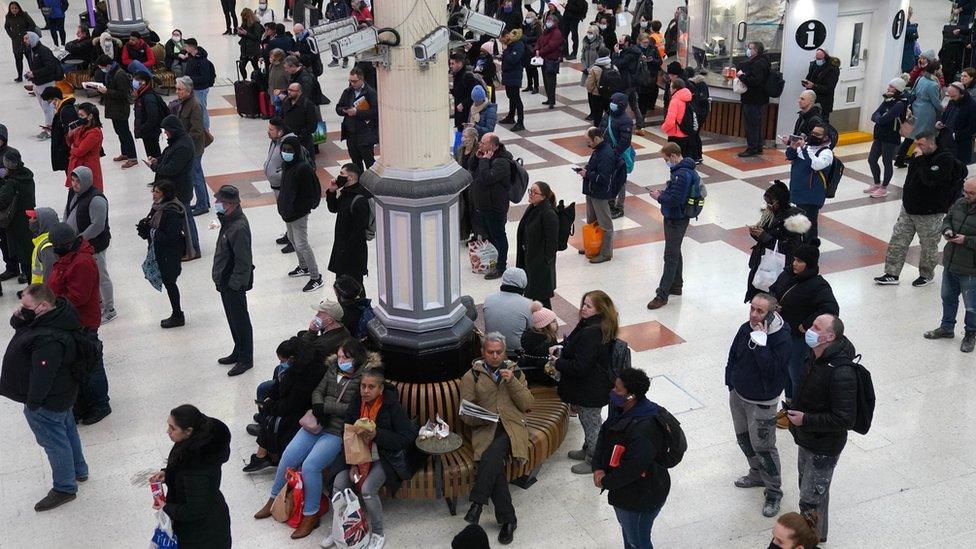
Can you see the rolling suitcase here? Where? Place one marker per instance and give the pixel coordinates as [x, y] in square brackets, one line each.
[265, 105]
[246, 97]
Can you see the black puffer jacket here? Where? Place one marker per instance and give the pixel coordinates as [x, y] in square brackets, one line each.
[288, 400]
[584, 364]
[824, 78]
[806, 121]
[638, 483]
[784, 231]
[828, 399]
[804, 297]
[395, 435]
[200, 516]
[300, 190]
[175, 163]
[492, 178]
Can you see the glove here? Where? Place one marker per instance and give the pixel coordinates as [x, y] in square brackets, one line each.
[142, 228]
[318, 410]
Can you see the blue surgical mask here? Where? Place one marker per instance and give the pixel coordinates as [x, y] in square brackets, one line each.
[219, 208]
[614, 107]
[106, 69]
[550, 24]
[318, 322]
[750, 52]
[617, 400]
[136, 85]
[287, 157]
[345, 366]
[820, 62]
[812, 338]
[507, 9]
[283, 366]
[670, 164]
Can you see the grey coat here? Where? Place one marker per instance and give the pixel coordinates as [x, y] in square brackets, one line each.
[331, 398]
[588, 55]
[233, 268]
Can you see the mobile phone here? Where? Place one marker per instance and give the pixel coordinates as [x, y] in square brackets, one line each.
[769, 318]
[948, 233]
[784, 405]
[576, 169]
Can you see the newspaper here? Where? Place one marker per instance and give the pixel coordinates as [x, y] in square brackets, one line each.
[469, 408]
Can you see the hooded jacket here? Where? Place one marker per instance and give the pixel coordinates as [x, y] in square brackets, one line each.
[512, 59]
[75, 278]
[118, 93]
[16, 27]
[300, 191]
[679, 103]
[803, 297]
[349, 252]
[509, 399]
[959, 118]
[674, 196]
[606, 172]
[782, 230]
[175, 163]
[150, 109]
[508, 312]
[272, 165]
[584, 364]
[65, 115]
[828, 399]
[201, 70]
[36, 367]
[233, 268]
[491, 179]
[808, 184]
[18, 186]
[45, 68]
[331, 398]
[395, 436]
[618, 123]
[888, 118]
[43, 257]
[824, 78]
[200, 516]
[87, 212]
[85, 149]
[960, 259]
[758, 373]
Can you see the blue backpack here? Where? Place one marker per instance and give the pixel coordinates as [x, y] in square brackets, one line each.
[629, 155]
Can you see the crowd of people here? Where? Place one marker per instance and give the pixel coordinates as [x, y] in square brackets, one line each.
[327, 380]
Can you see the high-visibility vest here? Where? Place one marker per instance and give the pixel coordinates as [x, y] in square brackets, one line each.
[37, 268]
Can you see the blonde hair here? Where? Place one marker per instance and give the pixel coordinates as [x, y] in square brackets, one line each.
[604, 307]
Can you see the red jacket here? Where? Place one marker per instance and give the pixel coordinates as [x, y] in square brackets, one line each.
[676, 111]
[150, 56]
[75, 278]
[550, 44]
[85, 149]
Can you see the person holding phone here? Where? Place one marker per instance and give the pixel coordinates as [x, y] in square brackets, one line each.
[755, 373]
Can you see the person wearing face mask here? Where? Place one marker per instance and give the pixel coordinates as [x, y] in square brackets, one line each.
[233, 274]
[37, 374]
[823, 411]
[753, 72]
[925, 109]
[87, 213]
[351, 202]
[272, 167]
[605, 173]
[589, 51]
[596, 100]
[957, 125]
[549, 48]
[17, 188]
[168, 234]
[511, 13]
[887, 118]
[117, 98]
[229, 8]
[618, 129]
[175, 164]
[326, 331]
[781, 227]
[648, 69]
[755, 373]
[796, 531]
[641, 17]
[803, 295]
[607, 23]
[65, 115]
[40, 221]
[264, 13]
[638, 485]
[359, 110]
[809, 158]
[531, 30]
[44, 71]
[512, 58]
[84, 141]
[959, 269]
[174, 50]
[74, 277]
[299, 195]
[537, 242]
[315, 447]
[822, 79]
[672, 200]
[150, 109]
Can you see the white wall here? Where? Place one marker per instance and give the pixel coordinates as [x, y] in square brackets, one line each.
[884, 56]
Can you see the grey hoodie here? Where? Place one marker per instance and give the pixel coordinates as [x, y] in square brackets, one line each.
[97, 208]
[272, 165]
[46, 218]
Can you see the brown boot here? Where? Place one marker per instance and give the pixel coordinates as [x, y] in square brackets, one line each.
[265, 511]
[309, 523]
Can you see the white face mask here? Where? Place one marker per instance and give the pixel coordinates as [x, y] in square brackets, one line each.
[758, 337]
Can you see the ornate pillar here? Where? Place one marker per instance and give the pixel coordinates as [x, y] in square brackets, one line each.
[125, 16]
[421, 325]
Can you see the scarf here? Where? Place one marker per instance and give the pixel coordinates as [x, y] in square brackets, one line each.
[475, 116]
[602, 61]
[369, 411]
[156, 217]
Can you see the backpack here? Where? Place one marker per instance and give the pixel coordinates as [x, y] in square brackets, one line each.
[831, 175]
[362, 327]
[674, 437]
[520, 182]
[701, 98]
[567, 224]
[629, 155]
[865, 397]
[644, 78]
[611, 82]
[696, 197]
[774, 83]
[88, 354]
[689, 121]
[619, 359]
[371, 226]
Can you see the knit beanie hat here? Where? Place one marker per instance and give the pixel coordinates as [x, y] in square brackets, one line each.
[897, 83]
[541, 317]
[478, 94]
[807, 254]
[11, 158]
[33, 38]
[928, 54]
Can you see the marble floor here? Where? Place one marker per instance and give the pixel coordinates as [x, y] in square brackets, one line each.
[909, 483]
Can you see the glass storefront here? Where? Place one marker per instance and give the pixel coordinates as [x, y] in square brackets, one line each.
[723, 28]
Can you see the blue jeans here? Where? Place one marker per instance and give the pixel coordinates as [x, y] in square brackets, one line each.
[636, 527]
[797, 364]
[310, 453]
[57, 433]
[200, 184]
[952, 286]
[201, 96]
[95, 394]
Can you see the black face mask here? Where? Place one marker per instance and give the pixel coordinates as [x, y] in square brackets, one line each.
[341, 181]
[29, 315]
[772, 545]
[814, 140]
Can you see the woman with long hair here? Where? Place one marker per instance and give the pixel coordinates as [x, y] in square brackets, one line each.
[166, 228]
[84, 141]
[250, 32]
[537, 243]
[583, 363]
[17, 22]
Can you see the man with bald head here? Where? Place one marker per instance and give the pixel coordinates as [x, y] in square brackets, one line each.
[822, 412]
[493, 174]
[301, 116]
[959, 268]
[809, 116]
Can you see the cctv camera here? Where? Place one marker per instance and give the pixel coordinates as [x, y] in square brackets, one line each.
[481, 23]
[329, 32]
[427, 48]
[357, 42]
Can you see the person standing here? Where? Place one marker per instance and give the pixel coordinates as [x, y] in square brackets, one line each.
[537, 242]
[150, 109]
[929, 191]
[755, 373]
[300, 115]
[87, 213]
[959, 269]
[499, 386]
[638, 486]
[626, 58]
[512, 58]
[18, 23]
[888, 118]
[925, 109]
[549, 47]
[65, 115]
[229, 9]
[462, 84]
[37, 372]
[597, 102]
[781, 228]
[809, 115]
[350, 201]
[605, 173]
[531, 30]
[74, 277]
[201, 445]
[822, 79]
[169, 237]
[957, 125]
[491, 170]
[647, 75]
[17, 189]
[233, 273]
[672, 200]
[250, 33]
[202, 76]
[44, 71]
[272, 167]
[583, 364]
[618, 129]
[360, 119]
[116, 98]
[680, 102]
[193, 119]
[300, 194]
[43, 257]
[753, 73]
[573, 15]
[84, 142]
[175, 164]
[911, 48]
[809, 157]
[822, 412]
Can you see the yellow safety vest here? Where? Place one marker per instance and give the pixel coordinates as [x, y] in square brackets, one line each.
[37, 268]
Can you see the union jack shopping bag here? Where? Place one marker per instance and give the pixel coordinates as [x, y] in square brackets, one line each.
[350, 529]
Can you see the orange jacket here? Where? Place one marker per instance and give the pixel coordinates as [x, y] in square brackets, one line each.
[676, 111]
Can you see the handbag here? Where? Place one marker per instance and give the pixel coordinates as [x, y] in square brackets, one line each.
[738, 86]
[309, 423]
[770, 267]
[150, 269]
[907, 127]
[536, 61]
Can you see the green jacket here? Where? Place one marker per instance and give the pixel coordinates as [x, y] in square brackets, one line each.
[960, 259]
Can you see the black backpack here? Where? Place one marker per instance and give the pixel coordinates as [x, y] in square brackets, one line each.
[701, 99]
[865, 396]
[774, 83]
[689, 121]
[88, 354]
[831, 175]
[567, 223]
[619, 359]
[520, 182]
[674, 437]
[695, 202]
[611, 82]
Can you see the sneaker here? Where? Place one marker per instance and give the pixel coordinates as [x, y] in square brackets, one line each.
[328, 541]
[53, 499]
[616, 214]
[281, 241]
[576, 455]
[257, 464]
[239, 369]
[288, 249]
[968, 342]
[871, 189]
[582, 468]
[922, 281]
[298, 272]
[376, 541]
[881, 192]
[939, 333]
[313, 284]
[886, 280]
[747, 482]
[657, 303]
[771, 507]
[109, 316]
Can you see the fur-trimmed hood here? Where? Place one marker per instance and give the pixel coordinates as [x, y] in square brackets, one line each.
[797, 223]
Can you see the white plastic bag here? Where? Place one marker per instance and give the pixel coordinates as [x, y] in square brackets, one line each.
[350, 529]
[622, 20]
[770, 267]
[536, 61]
[738, 86]
[163, 536]
[483, 256]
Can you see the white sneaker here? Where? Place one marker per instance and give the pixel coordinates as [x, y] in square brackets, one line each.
[328, 541]
[376, 541]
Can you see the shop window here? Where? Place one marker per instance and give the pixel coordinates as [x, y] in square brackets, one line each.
[719, 38]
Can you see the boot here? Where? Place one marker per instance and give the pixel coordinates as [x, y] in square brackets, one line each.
[474, 513]
[265, 511]
[305, 527]
[175, 320]
[518, 127]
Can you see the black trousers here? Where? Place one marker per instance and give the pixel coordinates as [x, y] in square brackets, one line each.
[239, 322]
[570, 27]
[229, 8]
[752, 116]
[598, 106]
[532, 78]
[549, 81]
[646, 99]
[173, 293]
[681, 142]
[151, 145]
[56, 26]
[494, 225]
[19, 55]
[491, 481]
[242, 65]
[516, 109]
[9, 260]
[361, 155]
